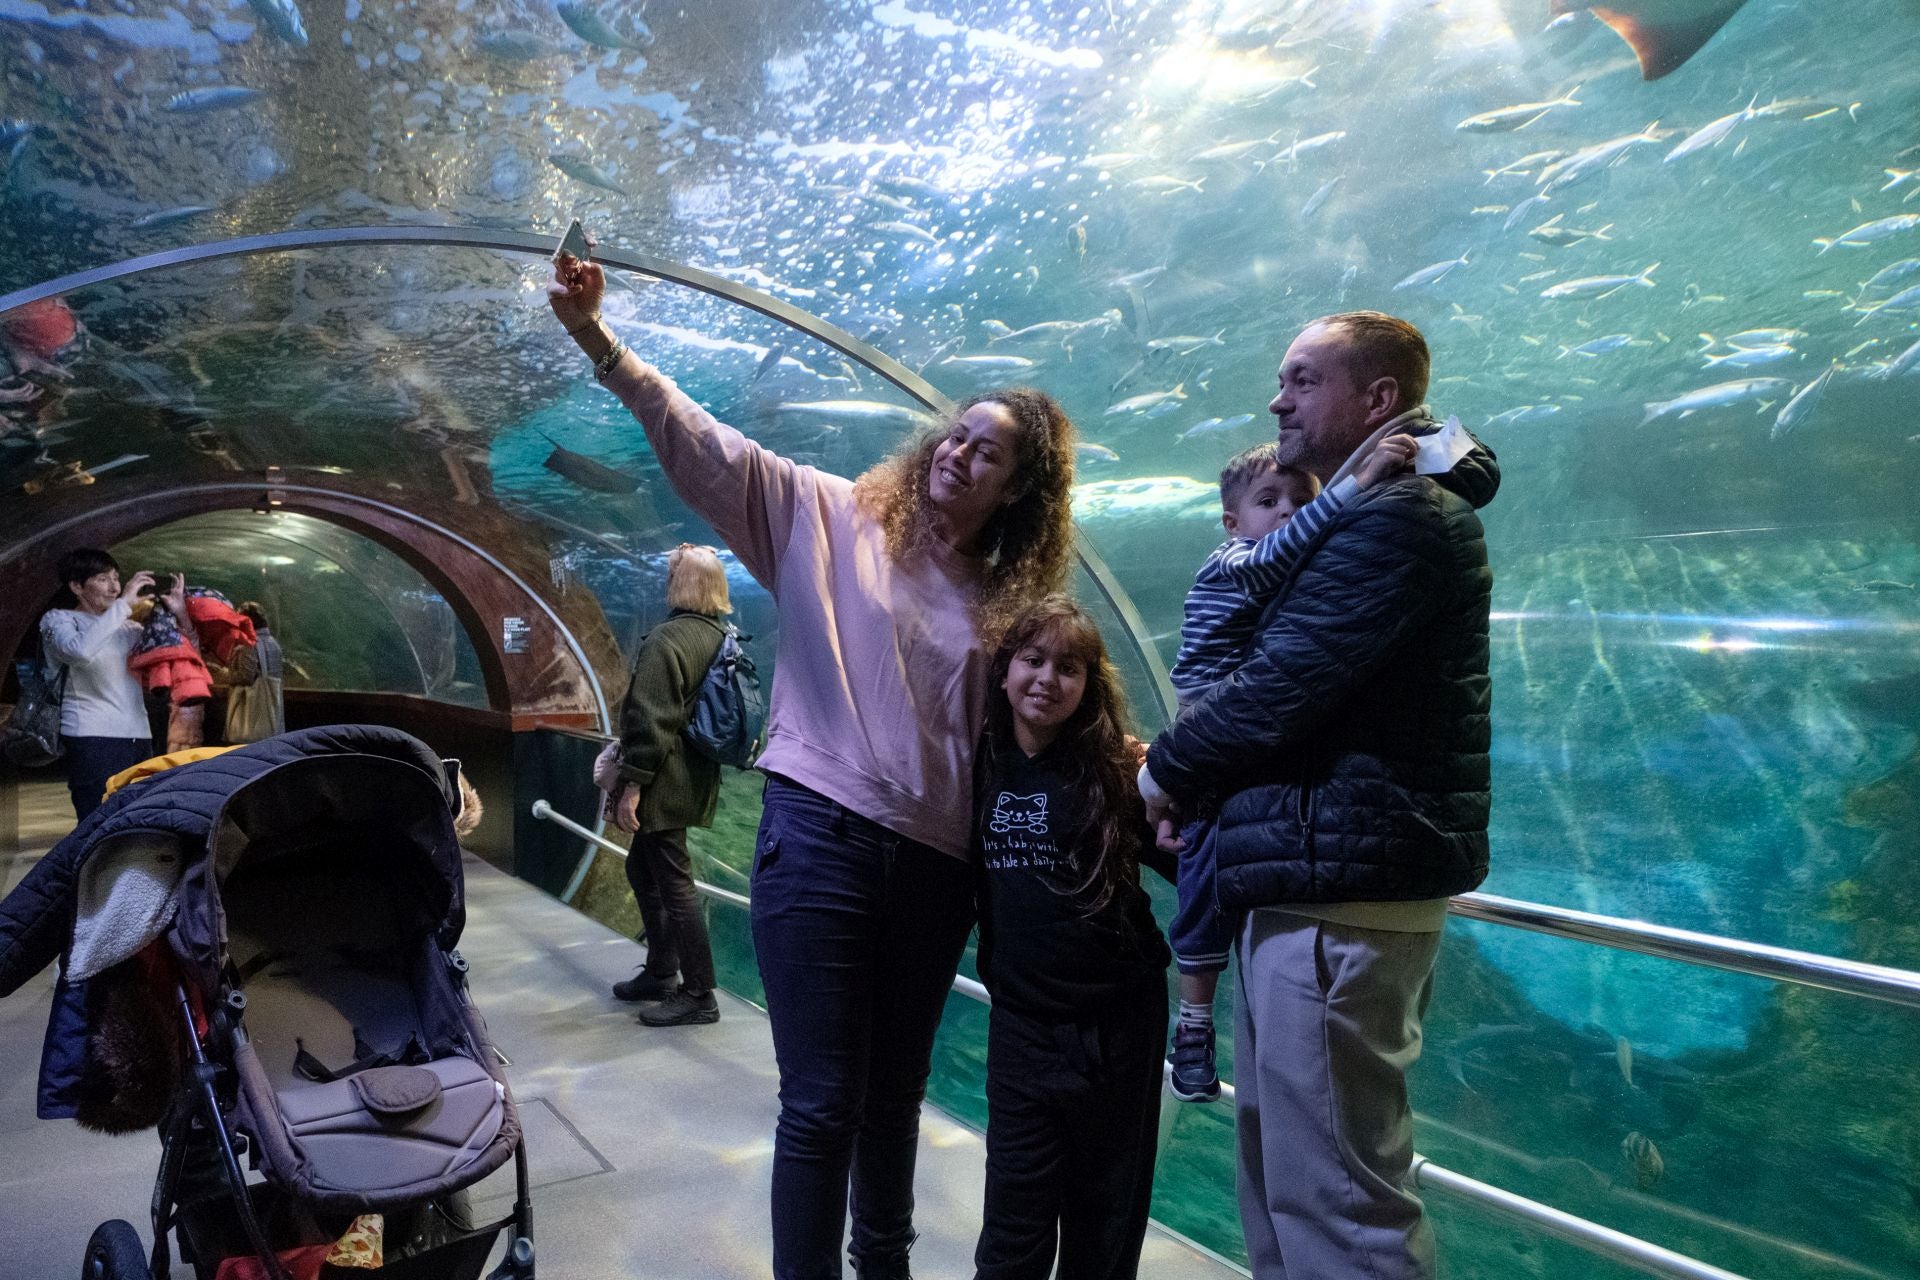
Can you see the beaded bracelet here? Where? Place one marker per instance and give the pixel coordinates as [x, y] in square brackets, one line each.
[609, 360]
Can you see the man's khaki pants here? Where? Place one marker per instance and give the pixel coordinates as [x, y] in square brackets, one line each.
[1328, 1025]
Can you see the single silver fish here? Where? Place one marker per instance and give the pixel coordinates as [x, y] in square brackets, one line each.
[1907, 299]
[1801, 407]
[222, 97]
[1806, 108]
[1319, 198]
[282, 17]
[1522, 209]
[1595, 158]
[1292, 152]
[1524, 413]
[770, 360]
[1716, 396]
[1623, 1055]
[998, 331]
[581, 169]
[1710, 135]
[1750, 357]
[908, 185]
[1889, 276]
[1209, 426]
[1599, 286]
[167, 217]
[1138, 279]
[1150, 401]
[1431, 272]
[1551, 232]
[585, 21]
[858, 411]
[1234, 150]
[1524, 165]
[906, 231]
[998, 363]
[1507, 119]
[1597, 347]
[1166, 184]
[1906, 362]
[1755, 338]
[1187, 344]
[1869, 232]
[1092, 452]
[515, 46]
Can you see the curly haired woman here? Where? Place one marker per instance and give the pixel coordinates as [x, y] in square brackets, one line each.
[891, 591]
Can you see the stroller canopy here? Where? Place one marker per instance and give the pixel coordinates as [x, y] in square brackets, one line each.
[372, 796]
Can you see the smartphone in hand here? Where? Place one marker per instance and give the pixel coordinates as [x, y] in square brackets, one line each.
[575, 243]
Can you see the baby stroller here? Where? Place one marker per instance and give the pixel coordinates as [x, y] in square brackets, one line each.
[306, 988]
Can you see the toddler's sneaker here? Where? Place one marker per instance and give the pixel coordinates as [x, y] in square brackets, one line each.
[1194, 1077]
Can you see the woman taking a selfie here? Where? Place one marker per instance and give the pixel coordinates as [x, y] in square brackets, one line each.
[862, 891]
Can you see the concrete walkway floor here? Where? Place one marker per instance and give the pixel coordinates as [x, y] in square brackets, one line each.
[650, 1149]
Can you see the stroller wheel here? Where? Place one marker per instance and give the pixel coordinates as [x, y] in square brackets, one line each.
[115, 1253]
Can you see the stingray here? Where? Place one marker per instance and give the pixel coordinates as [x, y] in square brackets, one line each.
[587, 473]
[1662, 33]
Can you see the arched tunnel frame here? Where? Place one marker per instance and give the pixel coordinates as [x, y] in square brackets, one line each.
[878, 361]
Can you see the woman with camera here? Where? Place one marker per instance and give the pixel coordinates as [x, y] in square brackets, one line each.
[103, 714]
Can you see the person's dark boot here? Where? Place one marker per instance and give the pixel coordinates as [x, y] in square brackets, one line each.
[682, 1009]
[644, 986]
[892, 1267]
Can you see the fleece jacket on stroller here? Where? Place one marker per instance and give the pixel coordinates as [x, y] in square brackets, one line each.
[270, 934]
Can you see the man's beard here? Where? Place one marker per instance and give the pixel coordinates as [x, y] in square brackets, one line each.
[1292, 449]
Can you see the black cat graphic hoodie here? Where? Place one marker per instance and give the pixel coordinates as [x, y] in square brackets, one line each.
[1040, 953]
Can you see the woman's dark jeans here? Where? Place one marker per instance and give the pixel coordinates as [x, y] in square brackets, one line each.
[661, 874]
[91, 761]
[859, 932]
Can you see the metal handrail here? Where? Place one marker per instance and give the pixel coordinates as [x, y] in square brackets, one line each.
[1642, 1255]
[1807, 968]
[1780, 964]
[1632, 1251]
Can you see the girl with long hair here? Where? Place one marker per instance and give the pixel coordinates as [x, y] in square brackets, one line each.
[862, 890]
[1072, 957]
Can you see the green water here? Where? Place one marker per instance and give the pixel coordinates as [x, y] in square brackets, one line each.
[1706, 699]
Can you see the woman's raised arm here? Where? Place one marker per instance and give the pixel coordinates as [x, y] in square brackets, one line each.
[747, 493]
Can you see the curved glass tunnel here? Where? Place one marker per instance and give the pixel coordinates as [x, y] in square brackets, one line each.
[381, 629]
[1706, 552]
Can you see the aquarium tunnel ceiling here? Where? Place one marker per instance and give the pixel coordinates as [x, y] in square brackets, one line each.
[1683, 309]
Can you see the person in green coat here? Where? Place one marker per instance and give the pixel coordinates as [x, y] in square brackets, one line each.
[667, 786]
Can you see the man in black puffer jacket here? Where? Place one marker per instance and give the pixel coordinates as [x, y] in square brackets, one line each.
[1348, 761]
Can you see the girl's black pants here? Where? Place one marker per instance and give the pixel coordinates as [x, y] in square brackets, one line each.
[1073, 1113]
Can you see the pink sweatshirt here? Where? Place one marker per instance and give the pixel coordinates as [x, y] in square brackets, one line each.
[880, 683]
